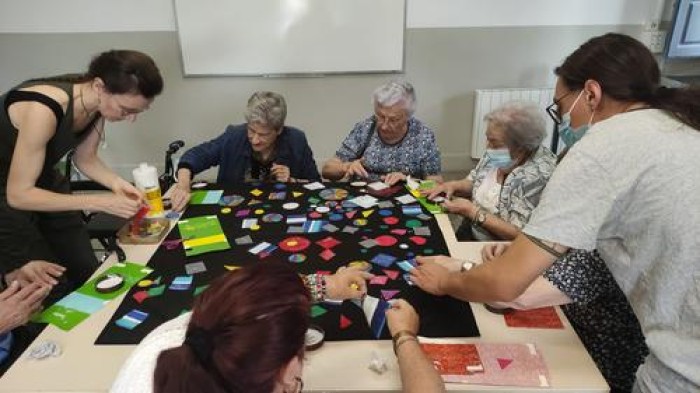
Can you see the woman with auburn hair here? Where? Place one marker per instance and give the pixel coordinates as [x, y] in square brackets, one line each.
[245, 333]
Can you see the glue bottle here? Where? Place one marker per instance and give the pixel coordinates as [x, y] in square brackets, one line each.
[146, 179]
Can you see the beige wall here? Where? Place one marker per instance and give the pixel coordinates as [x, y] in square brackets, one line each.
[445, 65]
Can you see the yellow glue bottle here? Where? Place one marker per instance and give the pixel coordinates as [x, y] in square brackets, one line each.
[146, 179]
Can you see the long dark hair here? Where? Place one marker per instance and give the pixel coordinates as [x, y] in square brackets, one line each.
[628, 71]
[123, 71]
[244, 328]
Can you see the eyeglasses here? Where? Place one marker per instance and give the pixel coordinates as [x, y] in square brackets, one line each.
[265, 136]
[125, 110]
[553, 108]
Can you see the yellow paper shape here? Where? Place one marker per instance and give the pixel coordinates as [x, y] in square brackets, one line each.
[297, 194]
[256, 192]
[220, 238]
[231, 267]
[367, 213]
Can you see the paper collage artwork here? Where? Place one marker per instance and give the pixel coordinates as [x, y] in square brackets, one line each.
[490, 364]
[316, 228]
[202, 234]
[85, 301]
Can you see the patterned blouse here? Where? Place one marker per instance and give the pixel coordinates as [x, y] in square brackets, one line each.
[522, 188]
[416, 154]
[601, 316]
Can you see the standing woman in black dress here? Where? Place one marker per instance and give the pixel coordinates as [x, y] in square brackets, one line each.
[40, 121]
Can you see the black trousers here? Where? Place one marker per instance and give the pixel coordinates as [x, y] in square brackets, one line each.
[58, 237]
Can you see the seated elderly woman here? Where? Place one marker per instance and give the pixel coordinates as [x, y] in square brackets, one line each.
[263, 149]
[391, 144]
[507, 182]
[256, 342]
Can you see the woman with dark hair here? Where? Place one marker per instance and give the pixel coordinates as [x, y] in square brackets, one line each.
[628, 189]
[40, 121]
[245, 333]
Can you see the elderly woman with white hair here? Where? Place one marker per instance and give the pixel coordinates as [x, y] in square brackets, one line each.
[390, 145]
[262, 149]
[506, 184]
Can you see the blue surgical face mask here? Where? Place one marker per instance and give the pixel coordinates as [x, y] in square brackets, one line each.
[568, 134]
[499, 158]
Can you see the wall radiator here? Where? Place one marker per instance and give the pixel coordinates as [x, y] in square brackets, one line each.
[487, 100]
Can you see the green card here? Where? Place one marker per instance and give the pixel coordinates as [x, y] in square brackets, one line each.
[85, 301]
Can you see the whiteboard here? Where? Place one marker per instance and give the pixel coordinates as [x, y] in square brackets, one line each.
[282, 37]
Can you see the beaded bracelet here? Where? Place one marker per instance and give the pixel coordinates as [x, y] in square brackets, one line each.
[316, 284]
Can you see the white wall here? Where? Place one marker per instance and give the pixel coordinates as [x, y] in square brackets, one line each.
[51, 16]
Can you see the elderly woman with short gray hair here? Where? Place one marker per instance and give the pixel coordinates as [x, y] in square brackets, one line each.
[506, 185]
[389, 145]
[262, 149]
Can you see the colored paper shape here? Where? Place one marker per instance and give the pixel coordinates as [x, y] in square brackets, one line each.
[375, 312]
[389, 294]
[328, 242]
[503, 363]
[538, 318]
[181, 283]
[140, 296]
[379, 280]
[195, 267]
[205, 197]
[407, 265]
[383, 260]
[344, 322]
[392, 274]
[326, 255]
[317, 311]
[506, 365]
[132, 319]
[156, 291]
[203, 234]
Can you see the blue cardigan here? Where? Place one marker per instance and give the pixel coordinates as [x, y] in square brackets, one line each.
[232, 152]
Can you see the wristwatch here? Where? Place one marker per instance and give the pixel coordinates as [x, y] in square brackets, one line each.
[480, 217]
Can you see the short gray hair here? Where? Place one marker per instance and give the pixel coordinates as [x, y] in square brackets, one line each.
[267, 108]
[523, 123]
[395, 92]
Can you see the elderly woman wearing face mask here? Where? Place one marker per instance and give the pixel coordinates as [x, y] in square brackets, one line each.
[507, 182]
[390, 145]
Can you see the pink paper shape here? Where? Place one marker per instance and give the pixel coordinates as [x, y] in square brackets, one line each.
[379, 280]
[327, 254]
[140, 296]
[328, 242]
[503, 363]
[350, 214]
[418, 240]
[398, 231]
[389, 294]
[393, 274]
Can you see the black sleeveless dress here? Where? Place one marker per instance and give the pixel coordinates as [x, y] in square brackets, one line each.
[58, 237]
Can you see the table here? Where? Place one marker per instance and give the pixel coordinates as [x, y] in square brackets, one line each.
[337, 366]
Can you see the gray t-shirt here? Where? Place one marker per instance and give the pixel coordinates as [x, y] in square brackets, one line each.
[631, 189]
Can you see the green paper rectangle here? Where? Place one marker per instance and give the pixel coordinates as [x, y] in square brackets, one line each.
[131, 272]
[67, 318]
[199, 227]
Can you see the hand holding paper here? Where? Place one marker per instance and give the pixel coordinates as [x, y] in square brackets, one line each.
[348, 283]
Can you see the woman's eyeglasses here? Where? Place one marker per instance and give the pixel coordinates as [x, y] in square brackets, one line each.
[553, 109]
